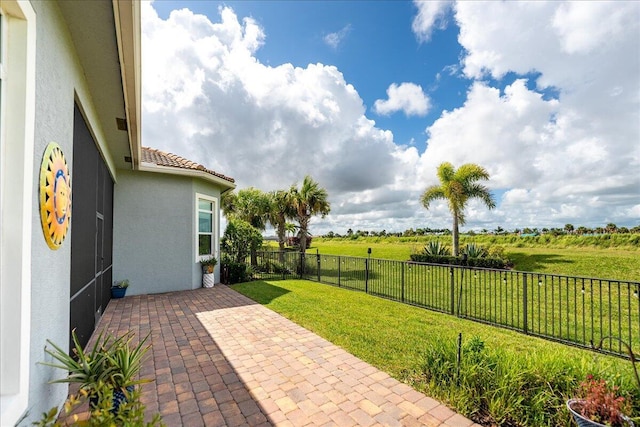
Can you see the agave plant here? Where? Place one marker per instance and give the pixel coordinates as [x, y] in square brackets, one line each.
[84, 367]
[435, 247]
[474, 251]
[111, 361]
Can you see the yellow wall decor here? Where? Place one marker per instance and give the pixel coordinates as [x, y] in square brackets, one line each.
[55, 196]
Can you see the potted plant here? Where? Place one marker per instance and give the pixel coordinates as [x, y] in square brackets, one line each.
[208, 265]
[599, 405]
[111, 363]
[119, 288]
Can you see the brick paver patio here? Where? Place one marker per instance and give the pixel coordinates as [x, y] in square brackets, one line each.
[219, 358]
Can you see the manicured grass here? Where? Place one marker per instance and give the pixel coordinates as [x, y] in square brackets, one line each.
[556, 307]
[396, 337]
[620, 263]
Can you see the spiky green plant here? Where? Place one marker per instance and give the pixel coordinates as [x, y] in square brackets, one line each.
[112, 361]
[474, 251]
[435, 247]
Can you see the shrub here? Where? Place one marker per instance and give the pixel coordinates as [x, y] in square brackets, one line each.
[495, 263]
[131, 411]
[235, 272]
[490, 389]
[498, 387]
[239, 240]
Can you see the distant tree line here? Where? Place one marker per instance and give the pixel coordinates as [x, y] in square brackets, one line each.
[568, 229]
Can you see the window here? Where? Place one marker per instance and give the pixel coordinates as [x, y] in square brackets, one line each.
[17, 115]
[207, 242]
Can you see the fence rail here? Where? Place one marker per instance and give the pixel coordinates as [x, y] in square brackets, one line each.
[574, 310]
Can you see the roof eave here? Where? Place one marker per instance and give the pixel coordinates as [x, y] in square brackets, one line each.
[221, 182]
[128, 35]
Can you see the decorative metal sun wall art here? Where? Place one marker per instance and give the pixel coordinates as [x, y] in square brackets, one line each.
[55, 196]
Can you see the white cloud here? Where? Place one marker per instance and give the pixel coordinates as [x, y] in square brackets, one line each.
[584, 26]
[207, 98]
[573, 159]
[334, 39]
[406, 97]
[431, 15]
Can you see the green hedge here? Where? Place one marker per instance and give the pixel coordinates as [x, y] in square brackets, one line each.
[470, 262]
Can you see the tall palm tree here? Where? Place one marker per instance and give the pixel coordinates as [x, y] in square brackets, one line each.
[281, 210]
[457, 187]
[308, 201]
[249, 204]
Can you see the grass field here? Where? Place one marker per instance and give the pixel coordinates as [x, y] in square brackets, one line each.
[619, 263]
[557, 307]
[396, 337]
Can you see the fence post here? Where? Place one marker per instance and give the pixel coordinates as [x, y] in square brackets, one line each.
[302, 266]
[318, 262]
[366, 275]
[453, 291]
[402, 281]
[284, 268]
[339, 270]
[525, 324]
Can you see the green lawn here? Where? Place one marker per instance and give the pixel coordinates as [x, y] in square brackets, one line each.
[619, 263]
[395, 338]
[557, 307]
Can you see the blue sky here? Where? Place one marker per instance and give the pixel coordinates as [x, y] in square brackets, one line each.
[375, 47]
[370, 97]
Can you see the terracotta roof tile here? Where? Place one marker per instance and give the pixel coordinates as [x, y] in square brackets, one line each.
[160, 158]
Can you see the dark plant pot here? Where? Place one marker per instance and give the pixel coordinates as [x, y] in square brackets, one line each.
[585, 422]
[118, 292]
[119, 397]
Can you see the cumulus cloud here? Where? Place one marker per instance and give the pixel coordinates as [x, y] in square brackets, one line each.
[572, 157]
[207, 98]
[334, 39]
[406, 97]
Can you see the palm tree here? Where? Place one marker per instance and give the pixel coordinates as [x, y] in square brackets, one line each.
[281, 210]
[457, 187]
[249, 204]
[308, 201]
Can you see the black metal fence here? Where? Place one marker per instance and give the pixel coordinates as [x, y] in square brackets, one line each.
[574, 310]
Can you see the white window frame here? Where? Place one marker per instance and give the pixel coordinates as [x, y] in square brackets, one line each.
[17, 123]
[214, 226]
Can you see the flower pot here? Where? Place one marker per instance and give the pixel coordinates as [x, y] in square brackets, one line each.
[118, 292]
[208, 280]
[585, 422]
[119, 397]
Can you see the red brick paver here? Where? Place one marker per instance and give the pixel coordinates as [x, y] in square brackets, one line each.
[219, 358]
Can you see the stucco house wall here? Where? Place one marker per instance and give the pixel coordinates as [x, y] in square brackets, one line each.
[60, 55]
[155, 231]
[59, 79]
[46, 76]
[60, 83]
